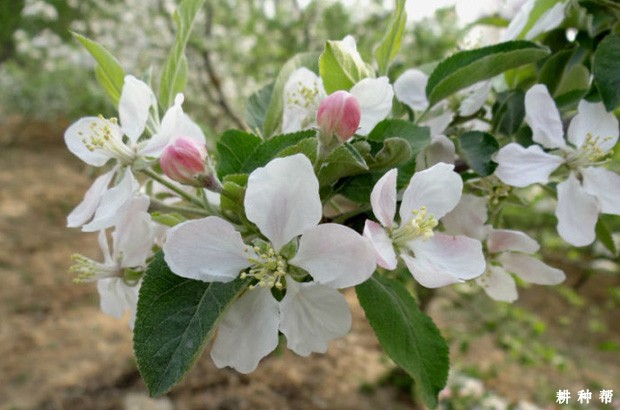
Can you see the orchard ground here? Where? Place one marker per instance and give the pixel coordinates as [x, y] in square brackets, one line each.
[58, 351]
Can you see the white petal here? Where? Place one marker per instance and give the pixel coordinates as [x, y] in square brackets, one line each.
[410, 89]
[437, 188]
[383, 198]
[335, 256]
[548, 21]
[441, 149]
[282, 199]
[248, 331]
[80, 131]
[443, 260]
[86, 209]
[440, 122]
[501, 240]
[519, 21]
[375, 98]
[112, 205]
[593, 119]
[116, 297]
[133, 107]
[520, 167]
[134, 237]
[605, 186]
[300, 106]
[208, 249]
[531, 269]
[577, 213]
[499, 285]
[543, 117]
[382, 245]
[476, 96]
[467, 218]
[311, 316]
[351, 46]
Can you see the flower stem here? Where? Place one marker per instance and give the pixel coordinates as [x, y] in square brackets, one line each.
[173, 187]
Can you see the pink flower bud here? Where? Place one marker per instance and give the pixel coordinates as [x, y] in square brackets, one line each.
[184, 160]
[339, 114]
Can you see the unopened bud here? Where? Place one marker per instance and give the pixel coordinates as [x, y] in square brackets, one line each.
[339, 114]
[184, 160]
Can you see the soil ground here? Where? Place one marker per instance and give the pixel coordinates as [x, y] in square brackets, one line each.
[58, 351]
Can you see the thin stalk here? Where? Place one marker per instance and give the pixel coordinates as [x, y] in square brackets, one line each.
[173, 187]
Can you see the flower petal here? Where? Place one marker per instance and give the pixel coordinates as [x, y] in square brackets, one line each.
[531, 269]
[468, 218]
[134, 236]
[605, 186]
[441, 149]
[543, 117]
[443, 260]
[593, 119]
[548, 21]
[520, 167]
[499, 285]
[501, 240]
[439, 122]
[86, 209]
[311, 316]
[247, 332]
[116, 297]
[382, 244]
[80, 131]
[410, 89]
[437, 188]
[383, 198]
[577, 213]
[303, 92]
[208, 249]
[375, 98]
[335, 256]
[134, 106]
[476, 96]
[282, 199]
[518, 22]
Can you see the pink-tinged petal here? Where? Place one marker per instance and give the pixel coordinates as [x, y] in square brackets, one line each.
[86, 209]
[605, 186]
[548, 21]
[134, 236]
[248, 331]
[592, 119]
[577, 213]
[282, 199]
[134, 106]
[410, 89]
[116, 297]
[300, 105]
[311, 316]
[375, 99]
[501, 240]
[531, 269]
[476, 96]
[443, 260]
[520, 167]
[208, 249]
[437, 188]
[468, 218]
[382, 244]
[543, 117]
[78, 135]
[335, 256]
[383, 198]
[499, 285]
[113, 204]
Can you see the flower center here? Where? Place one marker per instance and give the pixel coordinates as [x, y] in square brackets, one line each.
[268, 268]
[88, 270]
[590, 153]
[104, 137]
[420, 226]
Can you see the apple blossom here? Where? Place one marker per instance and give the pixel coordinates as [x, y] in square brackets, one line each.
[184, 160]
[433, 259]
[339, 114]
[282, 199]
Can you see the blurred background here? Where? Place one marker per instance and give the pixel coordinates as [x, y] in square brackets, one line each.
[58, 351]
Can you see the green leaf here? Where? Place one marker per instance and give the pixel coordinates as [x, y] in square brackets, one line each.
[273, 117]
[108, 71]
[553, 69]
[607, 70]
[176, 318]
[234, 148]
[509, 112]
[256, 108]
[233, 193]
[604, 235]
[174, 75]
[540, 8]
[466, 68]
[574, 83]
[307, 146]
[477, 148]
[168, 218]
[390, 44]
[407, 335]
[271, 148]
[340, 69]
[341, 162]
[395, 151]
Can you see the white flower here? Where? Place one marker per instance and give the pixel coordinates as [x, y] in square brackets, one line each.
[589, 189]
[508, 251]
[132, 240]
[434, 259]
[282, 199]
[551, 18]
